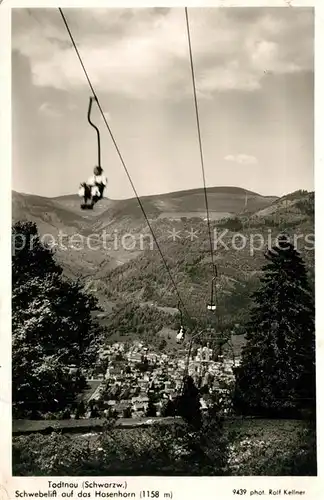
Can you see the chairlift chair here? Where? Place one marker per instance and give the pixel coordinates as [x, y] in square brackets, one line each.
[211, 306]
[180, 335]
[91, 194]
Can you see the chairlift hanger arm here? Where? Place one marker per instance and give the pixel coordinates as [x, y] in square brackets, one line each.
[213, 290]
[180, 310]
[94, 126]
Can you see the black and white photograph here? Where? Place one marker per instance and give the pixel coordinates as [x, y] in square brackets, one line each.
[163, 244]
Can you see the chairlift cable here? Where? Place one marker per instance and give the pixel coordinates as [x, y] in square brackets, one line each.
[96, 129]
[180, 310]
[199, 135]
[215, 273]
[123, 162]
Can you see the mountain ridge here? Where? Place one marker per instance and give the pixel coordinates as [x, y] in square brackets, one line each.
[210, 189]
[222, 200]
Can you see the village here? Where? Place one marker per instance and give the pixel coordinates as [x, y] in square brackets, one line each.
[134, 381]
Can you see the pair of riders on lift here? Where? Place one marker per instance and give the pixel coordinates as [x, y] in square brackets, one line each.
[92, 190]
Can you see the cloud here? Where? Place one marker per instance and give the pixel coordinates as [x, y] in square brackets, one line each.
[143, 53]
[48, 109]
[242, 159]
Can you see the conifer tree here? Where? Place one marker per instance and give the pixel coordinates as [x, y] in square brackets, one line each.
[277, 372]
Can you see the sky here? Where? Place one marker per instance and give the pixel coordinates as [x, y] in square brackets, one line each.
[255, 87]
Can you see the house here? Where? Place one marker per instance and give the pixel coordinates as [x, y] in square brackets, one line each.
[178, 384]
[203, 354]
[139, 407]
[152, 358]
[118, 347]
[128, 402]
[96, 396]
[167, 384]
[72, 369]
[113, 371]
[134, 357]
[120, 408]
[104, 353]
[139, 413]
[141, 398]
[140, 404]
[143, 385]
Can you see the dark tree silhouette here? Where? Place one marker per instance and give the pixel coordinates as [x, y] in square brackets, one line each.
[277, 373]
[52, 328]
[188, 404]
[168, 409]
[151, 409]
[127, 412]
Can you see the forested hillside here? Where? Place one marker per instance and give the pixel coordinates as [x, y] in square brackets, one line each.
[127, 272]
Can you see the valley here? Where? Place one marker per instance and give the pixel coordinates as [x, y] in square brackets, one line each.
[112, 251]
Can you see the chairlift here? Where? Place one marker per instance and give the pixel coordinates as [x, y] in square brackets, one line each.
[180, 335]
[181, 332]
[212, 306]
[92, 190]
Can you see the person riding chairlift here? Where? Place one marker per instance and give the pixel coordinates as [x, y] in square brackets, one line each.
[93, 189]
[180, 335]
